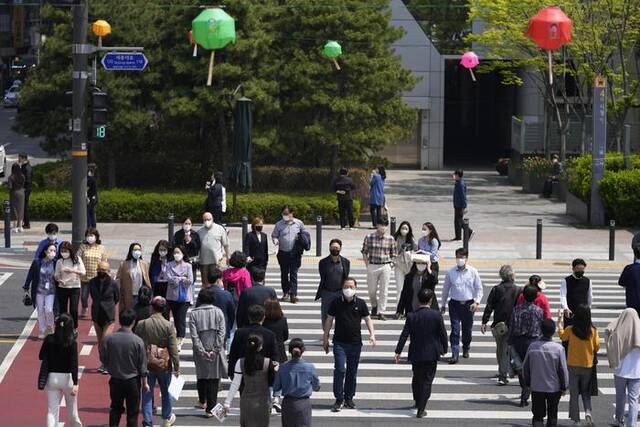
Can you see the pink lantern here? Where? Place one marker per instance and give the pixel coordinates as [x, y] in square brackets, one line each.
[470, 61]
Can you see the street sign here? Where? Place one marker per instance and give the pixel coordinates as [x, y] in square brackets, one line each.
[597, 214]
[124, 61]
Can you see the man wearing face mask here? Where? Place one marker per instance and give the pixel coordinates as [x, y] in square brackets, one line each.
[334, 270]
[575, 290]
[284, 236]
[348, 311]
[92, 195]
[463, 290]
[51, 230]
[379, 252]
[214, 247]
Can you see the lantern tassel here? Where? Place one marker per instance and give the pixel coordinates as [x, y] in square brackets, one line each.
[473, 76]
[550, 68]
[195, 50]
[211, 60]
[336, 64]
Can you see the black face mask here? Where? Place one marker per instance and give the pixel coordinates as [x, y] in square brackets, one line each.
[258, 228]
[102, 275]
[579, 274]
[335, 252]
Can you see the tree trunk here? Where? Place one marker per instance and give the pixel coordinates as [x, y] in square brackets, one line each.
[334, 160]
[224, 143]
[111, 169]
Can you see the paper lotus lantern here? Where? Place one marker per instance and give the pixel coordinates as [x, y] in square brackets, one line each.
[470, 61]
[550, 29]
[213, 29]
[193, 42]
[332, 50]
[101, 28]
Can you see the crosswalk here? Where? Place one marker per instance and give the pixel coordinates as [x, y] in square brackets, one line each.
[462, 392]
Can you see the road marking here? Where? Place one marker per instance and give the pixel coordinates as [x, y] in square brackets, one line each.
[17, 346]
[4, 278]
[92, 331]
[7, 341]
[86, 350]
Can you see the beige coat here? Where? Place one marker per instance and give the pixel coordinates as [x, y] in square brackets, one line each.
[621, 336]
[125, 281]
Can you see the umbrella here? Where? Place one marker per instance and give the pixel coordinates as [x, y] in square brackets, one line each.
[242, 124]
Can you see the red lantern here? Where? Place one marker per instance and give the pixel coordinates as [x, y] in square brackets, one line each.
[550, 29]
[194, 43]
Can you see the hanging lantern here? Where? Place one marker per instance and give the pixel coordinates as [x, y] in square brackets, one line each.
[470, 61]
[194, 43]
[550, 29]
[101, 28]
[332, 50]
[213, 29]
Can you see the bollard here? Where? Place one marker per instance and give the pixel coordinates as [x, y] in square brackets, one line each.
[170, 227]
[392, 225]
[612, 240]
[7, 224]
[539, 239]
[465, 234]
[318, 236]
[245, 230]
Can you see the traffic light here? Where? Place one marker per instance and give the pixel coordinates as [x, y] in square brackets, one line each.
[99, 107]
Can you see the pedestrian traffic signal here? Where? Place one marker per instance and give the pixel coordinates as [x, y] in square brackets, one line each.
[99, 107]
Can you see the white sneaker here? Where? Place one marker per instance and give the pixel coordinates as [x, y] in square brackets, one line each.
[41, 336]
[588, 419]
[169, 422]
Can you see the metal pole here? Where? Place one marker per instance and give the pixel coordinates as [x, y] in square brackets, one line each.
[245, 230]
[627, 146]
[539, 239]
[465, 233]
[170, 227]
[392, 225]
[7, 224]
[318, 236]
[79, 126]
[598, 149]
[612, 240]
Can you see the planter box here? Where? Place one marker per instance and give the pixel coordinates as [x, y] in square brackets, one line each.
[532, 184]
[577, 208]
[560, 190]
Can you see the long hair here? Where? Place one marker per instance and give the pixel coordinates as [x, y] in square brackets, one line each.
[582, 326]
[63, 334]
[409, 238]
[433, 233]
[131, 246]
[155, 255]
[18, 177]
[382, 172]
[67, 246]
[43, 254]
[252, 358]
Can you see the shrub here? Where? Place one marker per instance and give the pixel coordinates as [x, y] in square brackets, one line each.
[141, 206]
[621, 197]
[537, 166]
[579, 172]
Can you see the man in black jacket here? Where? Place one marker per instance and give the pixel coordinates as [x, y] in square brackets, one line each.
[92, 195]
[258, 293]
[334, 270]
[343, 185]
[239, 344]
[428, 335]
[25, 166]
[500, 302]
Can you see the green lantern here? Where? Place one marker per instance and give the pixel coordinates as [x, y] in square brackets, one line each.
[213, 29]
[333, 50]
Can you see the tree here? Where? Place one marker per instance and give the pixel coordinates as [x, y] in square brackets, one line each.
[604, 43]
[443, 21]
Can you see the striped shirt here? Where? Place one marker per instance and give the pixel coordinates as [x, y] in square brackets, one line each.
[379, 249]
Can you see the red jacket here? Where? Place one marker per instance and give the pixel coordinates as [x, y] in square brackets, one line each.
[541, 301]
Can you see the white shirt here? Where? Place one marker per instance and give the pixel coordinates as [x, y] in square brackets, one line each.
[462, 285]
[224, 199]
[563, 294]
[630, 366]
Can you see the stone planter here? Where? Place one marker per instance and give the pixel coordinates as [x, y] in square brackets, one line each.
[577, 208]
[532, 184]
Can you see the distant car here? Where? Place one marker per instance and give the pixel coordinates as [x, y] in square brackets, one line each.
[3, 161]
[11, 97]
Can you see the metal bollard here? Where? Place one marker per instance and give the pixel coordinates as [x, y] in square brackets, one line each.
[612, 240]
[170, 227]
[7, 224]
[465, 234]
[539, 239]
[245, 230]
[318, 236]
[392, 225]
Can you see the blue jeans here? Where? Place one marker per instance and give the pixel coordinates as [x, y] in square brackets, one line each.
[163, 379]
[326, 299]
[460, 312]
[345, 369]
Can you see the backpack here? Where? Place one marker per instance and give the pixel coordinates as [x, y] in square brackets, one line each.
[157, 358]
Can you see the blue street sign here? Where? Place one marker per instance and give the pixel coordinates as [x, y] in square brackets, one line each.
[598, 151]
[124, 61]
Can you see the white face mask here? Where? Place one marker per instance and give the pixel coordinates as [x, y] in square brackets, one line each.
[65, 255]
[51, 255]
[52, 237]
[136, 254]
[285, 218]
[178, 257]
[91, 239]
[461, 262]
[348, 292]
[163, 253]
[425, 233]
[404, 232]
[421, 267]
[208, 223]
[186, 227]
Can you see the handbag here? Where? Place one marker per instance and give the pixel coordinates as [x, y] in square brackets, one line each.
[182, 293]
[26, 300]
[43, 375]
[500, 329]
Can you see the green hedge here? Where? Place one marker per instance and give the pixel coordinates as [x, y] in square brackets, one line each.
[142, 206]
[620, 192]
[579, 172]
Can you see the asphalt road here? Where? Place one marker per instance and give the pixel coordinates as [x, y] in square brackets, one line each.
[13, 315]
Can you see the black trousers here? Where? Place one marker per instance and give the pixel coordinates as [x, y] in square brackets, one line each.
[91, 215]
[179, 312]
[458, 216]
[545, 404]
[208, 392]
[289, 265]
[345, 208]
[376, 214]
[25, 215]
[68, 302]
[423, 375]
[218, 216]
[124, 391]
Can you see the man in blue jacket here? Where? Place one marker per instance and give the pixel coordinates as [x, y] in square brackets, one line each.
[428, 335]
[459, 203]
[630, 280]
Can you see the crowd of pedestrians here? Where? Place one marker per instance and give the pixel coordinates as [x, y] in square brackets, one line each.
[238, 329]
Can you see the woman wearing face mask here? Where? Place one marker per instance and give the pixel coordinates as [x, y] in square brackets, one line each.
[256, 245]
[190, 241]
[69, 270]
[419, 277]
[179, 290]
[105, 295]
[41, 285]
[158, 270]
[430, 243]
[406, 245]
[132, 274]
[91, 252]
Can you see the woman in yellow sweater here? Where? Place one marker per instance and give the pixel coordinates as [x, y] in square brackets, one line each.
[583, 345]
